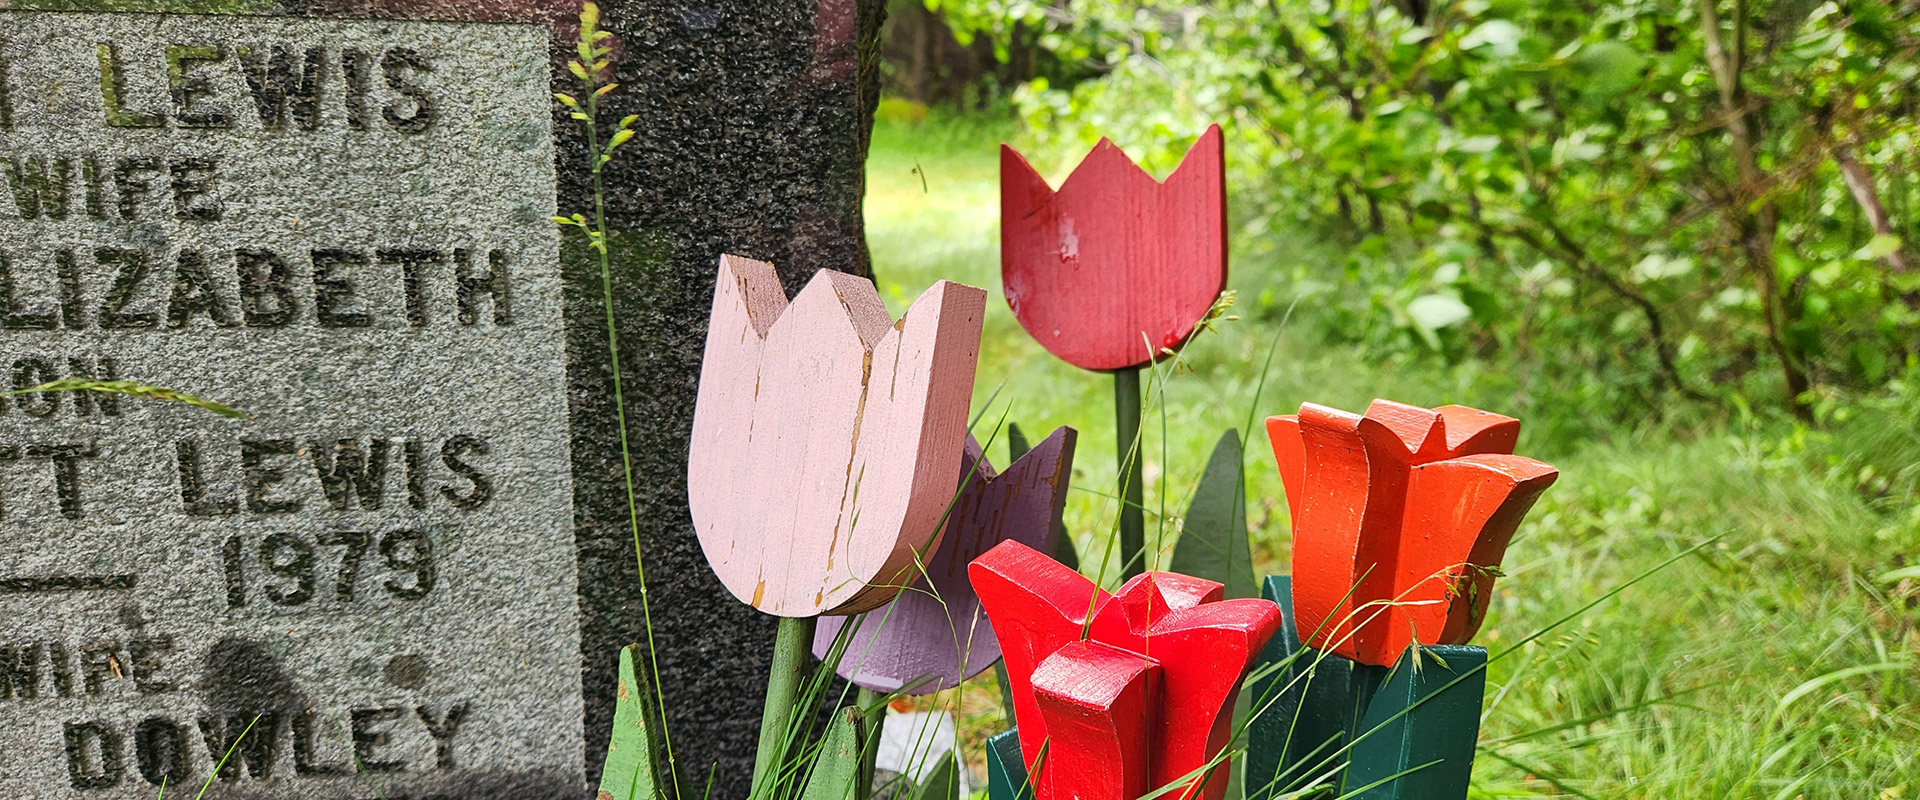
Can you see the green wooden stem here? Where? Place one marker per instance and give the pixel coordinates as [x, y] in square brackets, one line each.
[792, 644]
[870, 746]
[1126, 419]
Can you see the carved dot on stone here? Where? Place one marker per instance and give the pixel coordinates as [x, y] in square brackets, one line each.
[407, 672]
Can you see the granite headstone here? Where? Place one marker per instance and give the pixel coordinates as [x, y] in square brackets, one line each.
[755, 115]
[342, 228]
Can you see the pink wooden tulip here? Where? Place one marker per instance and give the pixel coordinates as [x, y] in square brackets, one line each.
[1115, 265]
[1199, 647]
[827, 436]
[934, 635]
[1399, 517]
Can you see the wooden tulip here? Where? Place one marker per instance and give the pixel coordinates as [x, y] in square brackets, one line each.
[1114, 266]
[827, 435]
[1201, 644]
[1400, 517]
[934, 635]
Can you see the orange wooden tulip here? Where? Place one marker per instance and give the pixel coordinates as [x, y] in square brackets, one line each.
[827, 436]
[1400, 520]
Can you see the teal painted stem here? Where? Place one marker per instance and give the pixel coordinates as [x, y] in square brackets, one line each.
[1126, 426]
[791, 647]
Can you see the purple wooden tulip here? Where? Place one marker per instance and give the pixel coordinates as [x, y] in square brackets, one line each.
[934, 635]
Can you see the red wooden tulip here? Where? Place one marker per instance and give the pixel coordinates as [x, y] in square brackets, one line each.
[1200, 644]
[1114, 254]
[1399, 518]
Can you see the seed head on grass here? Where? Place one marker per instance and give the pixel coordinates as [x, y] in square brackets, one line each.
[136, 389]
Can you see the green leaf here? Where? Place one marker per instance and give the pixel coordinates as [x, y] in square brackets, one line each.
[1477, 144]
[1436, 311]
[1898, 575]
[1609, 68]
[943, 784]
[632, 770]
[1657, 267]
[1880, 246]
[1500, 37]
[1213, 540]
[836, 767]
[577, 70]
[1814, 684]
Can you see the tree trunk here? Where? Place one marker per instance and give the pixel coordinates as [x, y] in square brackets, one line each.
[1757, 223]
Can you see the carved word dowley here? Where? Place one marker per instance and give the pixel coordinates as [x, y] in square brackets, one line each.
[366, 589]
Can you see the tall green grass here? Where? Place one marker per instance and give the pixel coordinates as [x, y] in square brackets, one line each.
[1777, 662]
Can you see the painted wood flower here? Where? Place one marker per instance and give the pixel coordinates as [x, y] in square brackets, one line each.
[1127, 691]
[934, 635]
[1114, 254]
[1400, 519]
[827, 435]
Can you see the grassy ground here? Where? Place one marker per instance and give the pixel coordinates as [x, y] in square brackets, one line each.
[1778, 662]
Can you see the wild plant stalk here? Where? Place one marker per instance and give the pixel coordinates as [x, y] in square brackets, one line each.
[216, 767]
[593, 63]
[135, 389]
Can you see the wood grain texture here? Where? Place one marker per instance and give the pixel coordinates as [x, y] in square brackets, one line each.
[836, 767]
[1213, 537]
[1036, 606]
[826, 436]
[1006, 773]
[1114, 254]
[1416, 740]
[1202, 643]
[1300, 711]
[632, 770]
[1402, 505]
[1098, 703]
[935, 635]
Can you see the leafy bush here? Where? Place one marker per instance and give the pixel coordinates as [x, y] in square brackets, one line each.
[1629, 203]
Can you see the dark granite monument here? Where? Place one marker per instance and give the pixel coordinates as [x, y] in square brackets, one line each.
[411, 569]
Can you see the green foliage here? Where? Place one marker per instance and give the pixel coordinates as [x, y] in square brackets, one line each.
[1671, 688]
[943, 783]
[837, 766]
[1629, 202]
[632, 766]
[1213, 540]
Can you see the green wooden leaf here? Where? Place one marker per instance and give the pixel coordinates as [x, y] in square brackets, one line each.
[1416, 740]
[838, 763]
[632, 768]
[1213, 541]
[943, 784]
[1006, 772]
[1301, 712]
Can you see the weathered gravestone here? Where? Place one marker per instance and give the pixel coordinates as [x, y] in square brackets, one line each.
[376, 573]
[424, 153]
